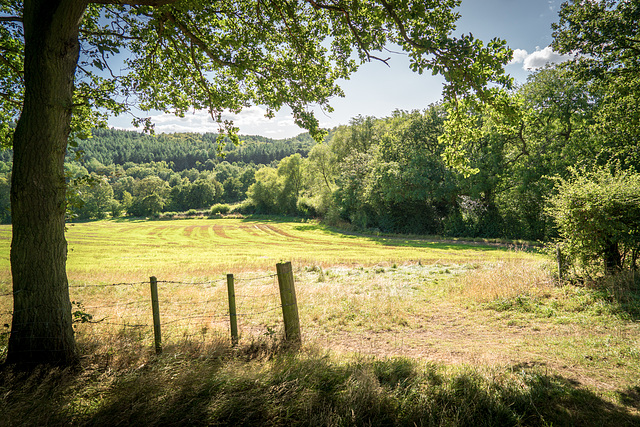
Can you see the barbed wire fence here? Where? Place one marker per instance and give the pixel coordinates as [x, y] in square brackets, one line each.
[185, 310]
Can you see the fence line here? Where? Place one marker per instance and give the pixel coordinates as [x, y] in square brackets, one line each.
[251, 307]
[107, 285]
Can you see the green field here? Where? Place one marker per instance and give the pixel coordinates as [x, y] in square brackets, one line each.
[116, 251]
[395, 331]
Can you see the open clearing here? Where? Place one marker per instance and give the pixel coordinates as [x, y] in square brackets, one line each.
[461, 304]
[117, 251]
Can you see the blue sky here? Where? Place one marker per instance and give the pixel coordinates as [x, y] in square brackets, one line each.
[377, 90]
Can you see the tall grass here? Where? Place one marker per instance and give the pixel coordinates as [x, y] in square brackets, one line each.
[267, 386]
[507, 278]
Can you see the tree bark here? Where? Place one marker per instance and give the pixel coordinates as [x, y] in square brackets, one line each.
[612, 258]
[42, 332]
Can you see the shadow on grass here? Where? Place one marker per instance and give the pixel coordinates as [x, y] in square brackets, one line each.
[413, 241]
[306, 388]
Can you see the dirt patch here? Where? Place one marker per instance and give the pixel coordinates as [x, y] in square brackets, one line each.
[219, 231]
[189, 230]
[276, 230]
[455, 340]
[251, 229]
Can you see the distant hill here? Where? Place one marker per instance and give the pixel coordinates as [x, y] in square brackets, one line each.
[185, 150]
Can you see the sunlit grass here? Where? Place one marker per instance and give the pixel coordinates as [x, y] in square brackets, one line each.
[126, 250]
[491, 318]
[507, 278]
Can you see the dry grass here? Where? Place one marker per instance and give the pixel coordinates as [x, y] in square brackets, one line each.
[507, 279]
[500, 326]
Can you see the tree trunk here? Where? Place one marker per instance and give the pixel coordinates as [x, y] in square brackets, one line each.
[612, 258]
[42, 331]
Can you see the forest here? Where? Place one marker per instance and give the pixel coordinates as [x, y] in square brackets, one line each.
[386, 174]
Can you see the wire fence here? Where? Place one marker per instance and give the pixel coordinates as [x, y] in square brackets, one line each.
[187, 309]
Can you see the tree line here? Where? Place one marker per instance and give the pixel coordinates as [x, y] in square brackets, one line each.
[392, 173]
[389, 174]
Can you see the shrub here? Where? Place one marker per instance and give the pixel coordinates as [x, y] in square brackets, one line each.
[598, 217]
[245, 208]
[220, 208]
[192, 212]
[306, 207]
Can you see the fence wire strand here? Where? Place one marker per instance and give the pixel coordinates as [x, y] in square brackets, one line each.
[251, 304]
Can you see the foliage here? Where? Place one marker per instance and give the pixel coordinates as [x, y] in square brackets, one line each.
[183, 151]
[603, 36]
[5, 203]
[149, 196]
[264, 193]
[95, 195]
[220, 209]
[277, 190]
[598, 216]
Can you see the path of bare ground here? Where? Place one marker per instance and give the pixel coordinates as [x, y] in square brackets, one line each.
[455, 335]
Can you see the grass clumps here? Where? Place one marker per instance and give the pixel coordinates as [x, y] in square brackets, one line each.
[527, 287]
[278, 387]
[506, 279]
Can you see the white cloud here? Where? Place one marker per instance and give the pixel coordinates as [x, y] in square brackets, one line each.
[519, 56]
[537, 59]
[251, 121]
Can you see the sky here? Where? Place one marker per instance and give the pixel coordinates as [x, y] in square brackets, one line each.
[377, 89]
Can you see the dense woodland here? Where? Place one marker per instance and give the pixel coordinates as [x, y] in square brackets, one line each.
[389, 174]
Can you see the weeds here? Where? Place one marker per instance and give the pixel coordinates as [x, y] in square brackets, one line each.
[311, 387]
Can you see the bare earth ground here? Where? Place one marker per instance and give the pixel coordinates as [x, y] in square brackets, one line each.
[452, 330]
[452, 336]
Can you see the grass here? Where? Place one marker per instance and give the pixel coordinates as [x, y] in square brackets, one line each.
[416, 332]
[126, 250]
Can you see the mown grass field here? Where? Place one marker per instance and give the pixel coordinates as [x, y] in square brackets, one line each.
[396, 331]
[174, 249]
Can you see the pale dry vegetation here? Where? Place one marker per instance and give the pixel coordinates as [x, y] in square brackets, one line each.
[507, 278]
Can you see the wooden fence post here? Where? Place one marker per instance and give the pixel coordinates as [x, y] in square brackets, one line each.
[233, 317]
[155, 306]
[289, 303]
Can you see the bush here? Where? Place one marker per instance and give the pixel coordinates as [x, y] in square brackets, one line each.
[245, 208]
[306, 207]
[220, 209]
[598, 218]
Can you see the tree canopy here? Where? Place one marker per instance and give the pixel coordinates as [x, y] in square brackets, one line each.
[604, 37]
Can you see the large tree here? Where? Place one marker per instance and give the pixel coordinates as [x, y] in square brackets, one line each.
[604, 36]
[59, 77]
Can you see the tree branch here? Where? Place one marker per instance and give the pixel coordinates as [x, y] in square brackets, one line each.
[109, 33]
[349, 22]
[401, 28]
[10, 99]
[10, 18]
[8, 63]
[196, 40]
[155, 3]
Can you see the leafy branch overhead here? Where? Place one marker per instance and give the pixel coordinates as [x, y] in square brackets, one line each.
[228, 55]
